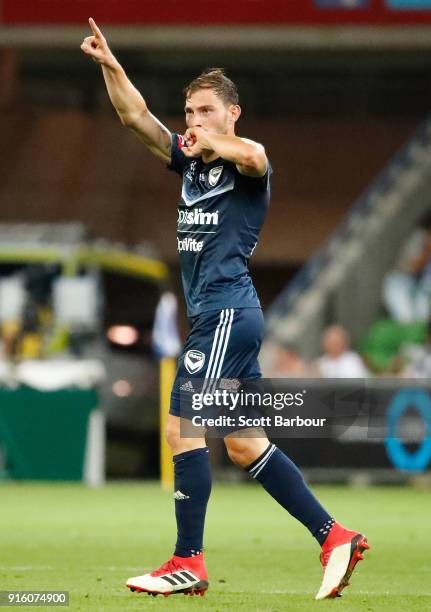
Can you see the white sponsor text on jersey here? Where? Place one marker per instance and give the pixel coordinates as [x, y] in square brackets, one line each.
[197, 217]
[189, 244]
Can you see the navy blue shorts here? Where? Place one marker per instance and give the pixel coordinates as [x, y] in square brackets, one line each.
[221, 344]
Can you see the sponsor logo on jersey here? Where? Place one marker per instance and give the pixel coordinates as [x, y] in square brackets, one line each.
[194, 361]
[214, 175]
[197, 217]
[189, 244]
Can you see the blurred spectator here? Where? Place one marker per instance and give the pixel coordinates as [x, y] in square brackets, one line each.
[289, 364]
[30, 338]
[338, 361]
[27, 329]
[418, 358]
[21, 337]
[407, 288]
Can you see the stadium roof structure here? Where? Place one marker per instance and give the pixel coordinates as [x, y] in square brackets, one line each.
[218, 37]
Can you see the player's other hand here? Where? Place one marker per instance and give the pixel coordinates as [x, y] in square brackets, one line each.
[97, 48]
[196, 142]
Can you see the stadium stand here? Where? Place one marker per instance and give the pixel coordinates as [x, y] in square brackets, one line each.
[342, 281]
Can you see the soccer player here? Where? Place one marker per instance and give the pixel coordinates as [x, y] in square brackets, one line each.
[224, 199]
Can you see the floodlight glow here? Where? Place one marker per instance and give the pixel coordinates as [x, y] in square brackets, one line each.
[123, 334]
[122, 388]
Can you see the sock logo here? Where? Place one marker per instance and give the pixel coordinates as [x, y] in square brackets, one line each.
[194, 361]
[179, 496]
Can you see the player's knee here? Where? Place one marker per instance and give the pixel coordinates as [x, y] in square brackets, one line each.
[243, 451]
[172, 434]
[236, 455]
[178, 443]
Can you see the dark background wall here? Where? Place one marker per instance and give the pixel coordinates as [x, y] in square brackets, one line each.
[80, 166]
[329, 120]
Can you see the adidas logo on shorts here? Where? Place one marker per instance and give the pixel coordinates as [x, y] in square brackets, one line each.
[187, 386]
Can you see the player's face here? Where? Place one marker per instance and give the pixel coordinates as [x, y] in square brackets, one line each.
[206, 110]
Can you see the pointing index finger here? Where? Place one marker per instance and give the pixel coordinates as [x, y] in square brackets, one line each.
[95, 29]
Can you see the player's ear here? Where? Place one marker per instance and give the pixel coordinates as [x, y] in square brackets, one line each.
[235, 112]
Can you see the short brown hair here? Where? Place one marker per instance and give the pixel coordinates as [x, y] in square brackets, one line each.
[215, 79]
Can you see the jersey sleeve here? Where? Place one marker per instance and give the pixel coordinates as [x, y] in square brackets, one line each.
[178, 159]
[259, 183]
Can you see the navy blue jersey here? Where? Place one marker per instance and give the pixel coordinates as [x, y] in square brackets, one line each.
[220, 215]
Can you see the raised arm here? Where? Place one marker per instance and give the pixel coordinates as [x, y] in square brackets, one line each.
[248, 156]
[126, 99]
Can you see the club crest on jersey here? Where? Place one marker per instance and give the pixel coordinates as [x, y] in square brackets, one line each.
[194, 361]
[214, 175]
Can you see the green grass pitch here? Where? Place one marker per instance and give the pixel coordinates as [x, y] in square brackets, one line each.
[69, 537]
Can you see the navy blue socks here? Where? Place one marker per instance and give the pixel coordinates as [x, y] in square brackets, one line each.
[283, 480]
[275, 472]
[192, 491]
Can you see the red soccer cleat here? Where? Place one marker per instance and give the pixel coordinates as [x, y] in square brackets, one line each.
[186, 575]
[341, 551]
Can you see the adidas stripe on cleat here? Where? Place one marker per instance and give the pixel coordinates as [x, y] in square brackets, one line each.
[185, 575]
[341, 551]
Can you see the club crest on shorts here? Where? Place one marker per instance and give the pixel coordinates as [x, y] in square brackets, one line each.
[194, 361]
[214, 175]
